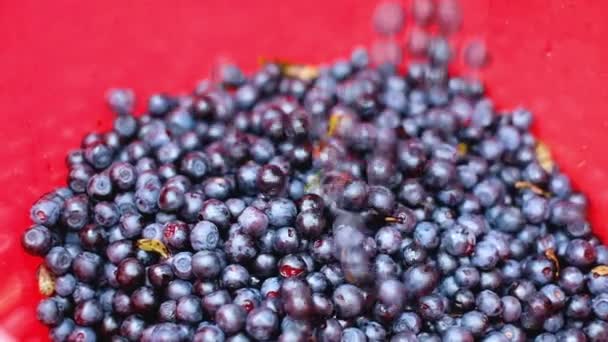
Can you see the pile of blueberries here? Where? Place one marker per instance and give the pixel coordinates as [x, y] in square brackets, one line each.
[359, 204]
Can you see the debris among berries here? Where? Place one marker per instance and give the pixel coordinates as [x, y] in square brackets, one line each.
[601, 270]
[534, 188]
[152, 245]
[550, 254]
[543, 155]
[46, 281]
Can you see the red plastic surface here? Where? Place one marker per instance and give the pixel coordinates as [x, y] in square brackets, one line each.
[58, 58]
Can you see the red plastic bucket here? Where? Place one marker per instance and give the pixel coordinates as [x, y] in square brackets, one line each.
[58, 58]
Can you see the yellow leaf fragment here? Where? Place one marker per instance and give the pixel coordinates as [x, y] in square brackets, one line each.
[153, 245]
[334, 121]
[462, 149]
[543, 156]
[391, 219]
[600, 270]
[46, 281]
[550, 254]
[305, 72]
[534, 188]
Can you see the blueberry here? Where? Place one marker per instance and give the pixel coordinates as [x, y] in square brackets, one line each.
[74, 157]
[205, 265]
[235, 276]
[408, 336]
[476, 322]
[556, 295]
[431, 307]
[496, 336]
[58, 260]
[353, 334]
[99, 186]
[580, 253]
[76, 212]
[420, 280]
[79, 176]
[82, 292]
[62, 330]
[488, 192]
[388, 240]
[281, 212]
[538, 306]
[286, 240]
[253, 221]
[464, 299]
[489, 303]
[130, 273]
[265, 265]
[348, 301]
[88, 313]
[356, 265]
[270, 180]
[235, 206]
[132, 328]
[262, 324]
[411, 157]
[218, 188]
[216, 212]
[204, 236]
[330, 331]
[144, 300]
[189, 309]
[146, 198]
[230, 318]
[209, 333]
[599, 306]
[491, 280]
[65, 285]
[458, 241]
[310, 223]
[125, 126]
[467, 276]
[195, 164]
[175, 234]
[323, 306]
[446, 262]
[46, 211]
[381, 199]
[214, 300]
[84, 334]
[554, 323]
[203, 288]
[485, 255]
[426, 234]
[49, 312]
[93, 237]
[571, 334]
[511, 308]
[37, 240]
[597, 330]
[458, 334]
[413, 254]
[240, 247]
[240, 337]
[160, 104]
[87, 266]
[247, 298]
[98, 155]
